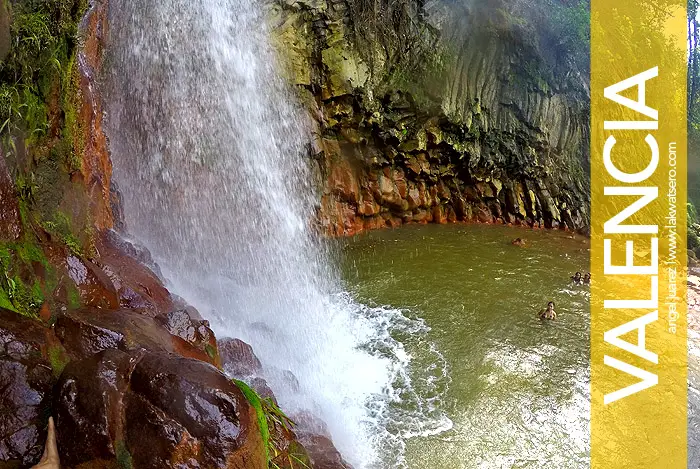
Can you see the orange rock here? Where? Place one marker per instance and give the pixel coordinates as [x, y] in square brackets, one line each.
[137, 287]
[439, 215]
[342, 182]
[96, 166]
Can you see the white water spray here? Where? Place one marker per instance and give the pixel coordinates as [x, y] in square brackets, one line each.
[208, 152]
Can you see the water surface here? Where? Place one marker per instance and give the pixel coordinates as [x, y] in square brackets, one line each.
[514, 388]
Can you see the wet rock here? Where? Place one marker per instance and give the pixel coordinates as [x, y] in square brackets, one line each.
[26, 380]
[263, 389]
[153, 410]
[88, 331]
[88, 405]
[10, 222]
[343, 182]
[388, 191]
[368, 206]
[137, 286]
[475, 127]
[96, 164]
[193, 331]
[322, 452]
[238, 358]
[94, 285]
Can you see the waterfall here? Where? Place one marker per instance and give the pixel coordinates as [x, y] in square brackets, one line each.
[209, 154]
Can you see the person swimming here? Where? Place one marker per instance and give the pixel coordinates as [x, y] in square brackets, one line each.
[587, 279]
[548, 313]
[577, 279]
[518, 242]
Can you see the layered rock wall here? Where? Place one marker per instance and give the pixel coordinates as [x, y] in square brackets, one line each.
[489, 126]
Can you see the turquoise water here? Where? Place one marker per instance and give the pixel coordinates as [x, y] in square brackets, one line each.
[508, 390]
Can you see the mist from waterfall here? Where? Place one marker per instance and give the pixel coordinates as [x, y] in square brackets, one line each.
[209, 154]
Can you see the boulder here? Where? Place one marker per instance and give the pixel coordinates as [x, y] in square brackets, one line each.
[94, 285]
[153, 410]
[322, 452]
[238, 358]
[195, 332]
[26, 380]
[87, 331]
[134, 275]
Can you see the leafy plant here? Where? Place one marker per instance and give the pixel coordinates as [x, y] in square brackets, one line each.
[271, 417]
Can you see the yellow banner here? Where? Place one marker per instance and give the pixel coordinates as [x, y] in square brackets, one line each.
[638, 250]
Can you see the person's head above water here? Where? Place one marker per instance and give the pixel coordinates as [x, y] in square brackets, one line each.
[577, 276]
[550, 305]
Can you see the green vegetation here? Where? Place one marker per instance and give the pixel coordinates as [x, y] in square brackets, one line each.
[271, 417]
[20, 289]
[210, 350]
[43, 43]
[40, 139]
[256, 402]
[58, 359]
[60, 226]
[124, 460]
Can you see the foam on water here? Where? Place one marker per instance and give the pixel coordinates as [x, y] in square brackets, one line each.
[208, 149]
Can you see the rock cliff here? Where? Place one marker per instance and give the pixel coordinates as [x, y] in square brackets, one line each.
[440, 111]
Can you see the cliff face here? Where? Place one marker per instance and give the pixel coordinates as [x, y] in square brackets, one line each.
[443, 112]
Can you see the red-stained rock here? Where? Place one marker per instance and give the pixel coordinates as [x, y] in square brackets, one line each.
[443, 191]
[343, 182]
[88, 407]
[87, 331]
[373, 223]
[238, 358]
[195, 332]
[439, 215]
[96, 167]
[95, 287]
[367, 206]
[420, 216]
[10, 222]
[413, 196]
[153, 410]
[137, 286]
[400, 180]
[451, 214]
[433, 197]
[388, 191]
[26, 379]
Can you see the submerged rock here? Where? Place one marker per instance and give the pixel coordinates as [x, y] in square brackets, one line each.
[153, 410]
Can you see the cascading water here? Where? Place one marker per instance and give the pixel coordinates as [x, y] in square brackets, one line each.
[208, 152]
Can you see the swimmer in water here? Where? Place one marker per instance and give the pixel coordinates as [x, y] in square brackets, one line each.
[577, 279]
[548, 313]
[518, 242]
[587, 279]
